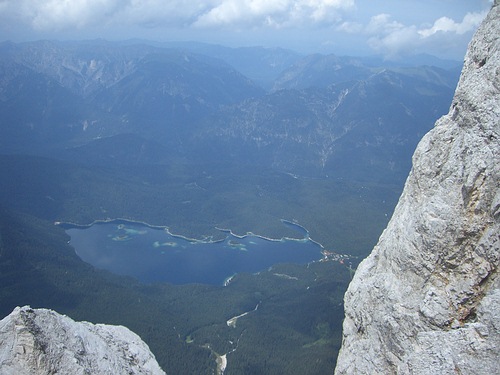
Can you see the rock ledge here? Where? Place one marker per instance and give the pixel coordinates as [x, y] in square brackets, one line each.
[40, 341]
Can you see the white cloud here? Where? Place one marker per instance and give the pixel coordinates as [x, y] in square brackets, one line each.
[276, 13]
[153, 13]
[61, 14]
[230, 12]
[393, 38]
[445, 24]
[382, 23]
[351, 27]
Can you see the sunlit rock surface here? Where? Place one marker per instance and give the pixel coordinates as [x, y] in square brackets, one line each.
[40, 341]
[427, 299]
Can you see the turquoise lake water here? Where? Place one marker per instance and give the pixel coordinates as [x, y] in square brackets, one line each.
[153, 255]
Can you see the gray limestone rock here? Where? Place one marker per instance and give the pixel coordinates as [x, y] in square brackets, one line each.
[40, 341]
[427, 299]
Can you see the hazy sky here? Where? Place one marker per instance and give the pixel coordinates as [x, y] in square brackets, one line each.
[354, 27]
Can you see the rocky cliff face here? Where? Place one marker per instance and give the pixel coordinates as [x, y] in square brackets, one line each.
[39, 341]
[427, 299]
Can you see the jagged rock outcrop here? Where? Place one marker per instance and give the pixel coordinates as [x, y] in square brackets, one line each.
[427, 299]
[40, 341]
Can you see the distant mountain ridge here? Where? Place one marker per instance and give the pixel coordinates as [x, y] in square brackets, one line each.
[350, 128]
[86, 67]
[321, 111]
[76, 92]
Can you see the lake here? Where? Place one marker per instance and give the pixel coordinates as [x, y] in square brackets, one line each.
[152, 254]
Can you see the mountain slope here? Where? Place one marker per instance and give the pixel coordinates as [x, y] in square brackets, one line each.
[262, 65]
[365, 129]
[322, 71]
[57, 95]
[327, 115]
[427, 299]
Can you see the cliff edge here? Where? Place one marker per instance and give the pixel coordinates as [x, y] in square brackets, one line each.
[40, 341]
[427, 299]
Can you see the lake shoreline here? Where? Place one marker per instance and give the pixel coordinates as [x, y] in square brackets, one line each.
[208, 240]
[186, 260]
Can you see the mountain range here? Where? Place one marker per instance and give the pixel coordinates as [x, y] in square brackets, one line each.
[320, 112]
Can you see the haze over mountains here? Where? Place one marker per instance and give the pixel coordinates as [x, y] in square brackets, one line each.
[198, 137]
[319, 112]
